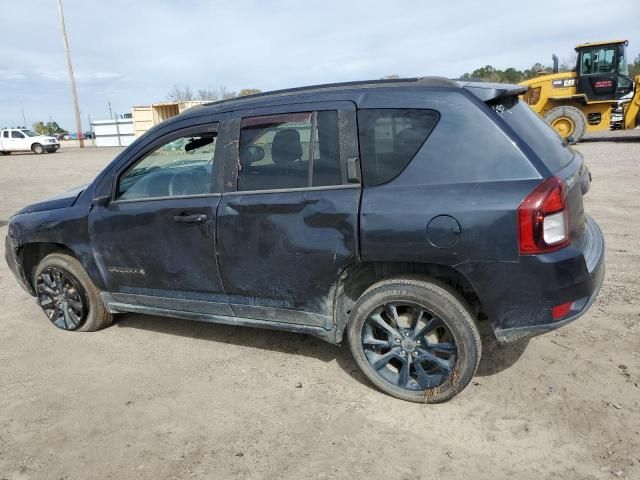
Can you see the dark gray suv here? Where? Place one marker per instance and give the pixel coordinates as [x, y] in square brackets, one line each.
[396, 214]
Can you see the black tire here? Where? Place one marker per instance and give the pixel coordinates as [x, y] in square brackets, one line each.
[37, 148]
[561, 118]
[5, 153]
[95, 316]
[443, 305]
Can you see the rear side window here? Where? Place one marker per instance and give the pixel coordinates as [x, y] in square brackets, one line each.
[554, 152]
[291, 150]
[389, 138]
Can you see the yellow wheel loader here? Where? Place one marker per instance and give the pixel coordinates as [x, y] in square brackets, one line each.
[590, 98]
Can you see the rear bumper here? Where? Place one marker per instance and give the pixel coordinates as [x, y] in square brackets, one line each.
[519, 296]
[593, 254]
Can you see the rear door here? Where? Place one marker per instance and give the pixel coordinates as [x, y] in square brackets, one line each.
[287, 221]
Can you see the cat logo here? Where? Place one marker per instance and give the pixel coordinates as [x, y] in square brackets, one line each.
[569, 82]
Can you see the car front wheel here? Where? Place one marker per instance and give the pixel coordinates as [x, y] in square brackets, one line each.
[415, 339]
[67, 295]
[37, 148]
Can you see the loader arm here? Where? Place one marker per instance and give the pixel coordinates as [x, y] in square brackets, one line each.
[634, 107]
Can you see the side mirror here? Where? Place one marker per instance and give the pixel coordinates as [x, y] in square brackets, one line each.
[102, 200]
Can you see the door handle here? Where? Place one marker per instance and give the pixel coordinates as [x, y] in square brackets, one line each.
[190, 219]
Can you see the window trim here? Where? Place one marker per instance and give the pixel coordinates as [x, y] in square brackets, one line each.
[342, 186]
[210, 127]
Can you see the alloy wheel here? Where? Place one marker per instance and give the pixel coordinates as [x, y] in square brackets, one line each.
[62, 298]
[408, 346]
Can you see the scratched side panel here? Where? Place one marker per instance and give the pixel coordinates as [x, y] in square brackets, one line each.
[285, 250]
[141, 250]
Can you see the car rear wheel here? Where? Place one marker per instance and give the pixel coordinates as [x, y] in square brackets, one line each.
[569, 122]
[415, 339]
[37, 148]
[67, 295]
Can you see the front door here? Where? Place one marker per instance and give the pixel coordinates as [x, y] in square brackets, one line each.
[154, 242]
[17, 141]
[288, 227]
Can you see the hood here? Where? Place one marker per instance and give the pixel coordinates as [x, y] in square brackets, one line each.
[62, 200]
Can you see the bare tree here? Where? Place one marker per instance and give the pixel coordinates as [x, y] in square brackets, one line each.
[224, 93]
[180, 94]
[249, 91]
[569, 62]
[208, 94]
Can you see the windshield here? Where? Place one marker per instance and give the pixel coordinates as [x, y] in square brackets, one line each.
[554, 152]
[30, 133]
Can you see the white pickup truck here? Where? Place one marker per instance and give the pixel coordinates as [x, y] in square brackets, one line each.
[25, 140]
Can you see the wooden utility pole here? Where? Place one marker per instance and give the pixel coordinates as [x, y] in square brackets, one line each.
[74, 92]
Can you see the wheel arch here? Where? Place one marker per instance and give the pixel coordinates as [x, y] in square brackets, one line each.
[33, 253]
[360, 276]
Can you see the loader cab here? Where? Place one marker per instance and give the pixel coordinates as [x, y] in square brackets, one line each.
[602, 70]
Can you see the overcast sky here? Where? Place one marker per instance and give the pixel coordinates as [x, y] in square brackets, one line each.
[132, 52]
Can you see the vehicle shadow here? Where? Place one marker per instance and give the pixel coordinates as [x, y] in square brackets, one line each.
[612, 138]
[494, 358]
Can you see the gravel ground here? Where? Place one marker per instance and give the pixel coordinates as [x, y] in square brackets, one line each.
[162, 398]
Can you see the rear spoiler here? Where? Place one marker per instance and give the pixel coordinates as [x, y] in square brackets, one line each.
[492, 92]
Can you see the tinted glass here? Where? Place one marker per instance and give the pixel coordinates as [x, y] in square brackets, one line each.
[543, 140]
[292, 150]
[178, 168]
[16, 134]
[5, 134]
[597, 60]
[389, 138]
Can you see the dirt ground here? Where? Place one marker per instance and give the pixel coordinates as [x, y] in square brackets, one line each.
[161, 398]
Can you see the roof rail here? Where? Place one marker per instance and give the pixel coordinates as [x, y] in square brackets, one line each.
[421, 81]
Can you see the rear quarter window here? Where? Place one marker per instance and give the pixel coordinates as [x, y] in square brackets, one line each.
[466, 146]
[389, 138]
[554, 152]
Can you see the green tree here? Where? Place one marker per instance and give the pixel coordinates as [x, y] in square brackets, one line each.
[40, 127]
[634, 68]
[49, 128]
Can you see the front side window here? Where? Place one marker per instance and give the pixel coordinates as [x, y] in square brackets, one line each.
[292, 150]
[389, 138]
[179, 168]
[16, 134]
[29, 133]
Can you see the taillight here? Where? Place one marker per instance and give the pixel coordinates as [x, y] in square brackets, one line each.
[543, 222]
